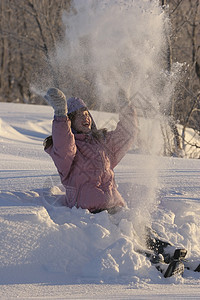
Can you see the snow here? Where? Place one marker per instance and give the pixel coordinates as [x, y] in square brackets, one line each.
[49, 251]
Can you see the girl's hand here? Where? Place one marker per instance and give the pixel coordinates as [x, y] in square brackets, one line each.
[57, 100]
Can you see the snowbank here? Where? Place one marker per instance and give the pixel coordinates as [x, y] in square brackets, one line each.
[43, 242]
[72, 246]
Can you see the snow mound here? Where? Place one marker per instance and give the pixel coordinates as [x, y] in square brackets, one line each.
[54, 245]
[73, 244]
[9, 133]
[180, 224]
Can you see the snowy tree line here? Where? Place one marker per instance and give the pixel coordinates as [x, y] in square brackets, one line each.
[30, 29]
[184, 47]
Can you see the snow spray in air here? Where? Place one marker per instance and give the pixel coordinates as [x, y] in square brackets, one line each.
[112, 45]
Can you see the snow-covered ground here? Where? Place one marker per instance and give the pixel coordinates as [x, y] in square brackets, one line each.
[50, 251]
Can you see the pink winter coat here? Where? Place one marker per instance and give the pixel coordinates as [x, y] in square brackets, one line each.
[85, 164]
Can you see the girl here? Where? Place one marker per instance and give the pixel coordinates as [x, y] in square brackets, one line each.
[84, 156]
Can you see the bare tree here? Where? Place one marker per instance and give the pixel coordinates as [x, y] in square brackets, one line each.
[29, 30]
[184, 47]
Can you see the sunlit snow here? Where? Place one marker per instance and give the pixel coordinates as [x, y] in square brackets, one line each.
[48, 250]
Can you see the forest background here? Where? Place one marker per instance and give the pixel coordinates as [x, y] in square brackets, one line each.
[31, 29]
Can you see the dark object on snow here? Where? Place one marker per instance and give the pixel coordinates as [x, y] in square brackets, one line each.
[169, 252]
[176, 267]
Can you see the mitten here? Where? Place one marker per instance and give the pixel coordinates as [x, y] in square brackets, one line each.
[57, 100]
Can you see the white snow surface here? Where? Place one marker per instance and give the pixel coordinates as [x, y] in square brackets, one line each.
[49, 251]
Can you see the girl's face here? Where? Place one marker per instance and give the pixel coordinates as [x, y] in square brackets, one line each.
[82, 122]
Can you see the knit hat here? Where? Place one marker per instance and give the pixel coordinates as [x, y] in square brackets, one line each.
[74, 104]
